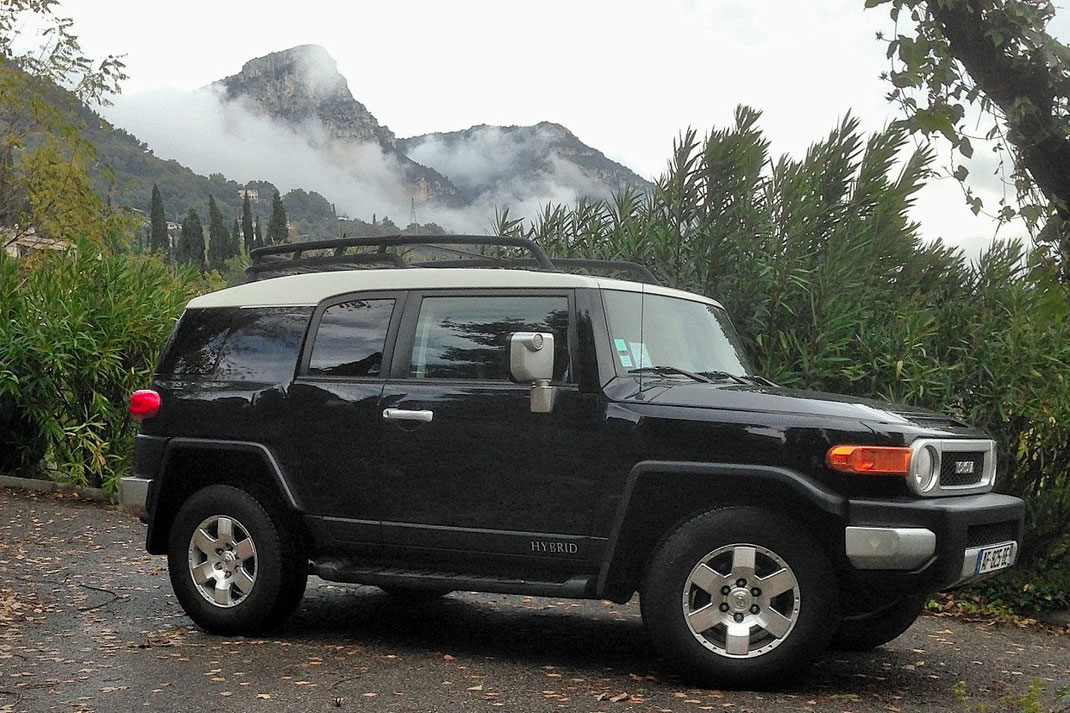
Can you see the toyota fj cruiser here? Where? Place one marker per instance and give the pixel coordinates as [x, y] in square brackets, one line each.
[499, 423]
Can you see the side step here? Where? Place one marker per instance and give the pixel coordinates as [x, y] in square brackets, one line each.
[344, 571]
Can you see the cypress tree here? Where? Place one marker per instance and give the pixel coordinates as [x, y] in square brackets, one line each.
[218, 237]
[237, 243]
[258, 235]
[191, 244]
[159, 242]
[247, 223]
[276, 232]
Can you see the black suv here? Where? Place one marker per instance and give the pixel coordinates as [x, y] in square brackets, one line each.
[530, 430]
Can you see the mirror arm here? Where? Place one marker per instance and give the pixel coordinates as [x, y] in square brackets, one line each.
[542, 396]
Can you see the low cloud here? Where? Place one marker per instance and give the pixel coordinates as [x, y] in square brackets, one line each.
[510, 165]
[211, 134]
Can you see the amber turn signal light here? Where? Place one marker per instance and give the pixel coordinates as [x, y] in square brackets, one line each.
[869, 460]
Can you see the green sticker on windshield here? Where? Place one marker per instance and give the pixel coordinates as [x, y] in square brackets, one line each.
[622, 353]
[641, 355]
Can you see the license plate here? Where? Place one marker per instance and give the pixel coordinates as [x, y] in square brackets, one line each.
[992, 558]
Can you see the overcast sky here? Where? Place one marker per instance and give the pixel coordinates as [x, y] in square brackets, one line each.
[626, 76]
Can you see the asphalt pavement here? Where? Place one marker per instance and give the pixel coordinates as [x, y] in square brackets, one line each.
[88, 623]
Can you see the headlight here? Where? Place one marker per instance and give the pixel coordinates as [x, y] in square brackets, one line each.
[924, 468]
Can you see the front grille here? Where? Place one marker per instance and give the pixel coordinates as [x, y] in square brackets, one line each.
[961, 468]
[991, 533]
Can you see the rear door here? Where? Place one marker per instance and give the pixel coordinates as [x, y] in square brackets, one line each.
[478, 471]
[336, 414]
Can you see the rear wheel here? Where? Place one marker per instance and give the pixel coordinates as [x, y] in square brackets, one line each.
[868, 631]
[234, 560]
[739, 597]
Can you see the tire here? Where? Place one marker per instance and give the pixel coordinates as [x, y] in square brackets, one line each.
[414, 595]
[787, 625]
[225, 536]
[868, 631]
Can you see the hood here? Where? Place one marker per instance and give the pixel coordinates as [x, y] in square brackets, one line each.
[763, 399]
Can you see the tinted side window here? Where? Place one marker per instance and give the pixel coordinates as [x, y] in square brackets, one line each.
[350, 339]
[198, 340]
[263, 344]
[465, 337]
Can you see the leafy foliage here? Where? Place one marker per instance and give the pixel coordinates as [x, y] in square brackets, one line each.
[159, 242]
[82, 329]
[995, 56]
[45, 182]
[191, 242]
[277, 232]
[247, 224]
[831, 288]
[218, 237]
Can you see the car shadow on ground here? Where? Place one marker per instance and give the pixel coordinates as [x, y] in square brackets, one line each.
[587, 638]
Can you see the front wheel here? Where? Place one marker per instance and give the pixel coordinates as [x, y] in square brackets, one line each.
[235, 564]
[739, 596]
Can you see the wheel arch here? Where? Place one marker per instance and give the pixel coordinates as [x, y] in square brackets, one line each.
[190, 464]
[659, 495]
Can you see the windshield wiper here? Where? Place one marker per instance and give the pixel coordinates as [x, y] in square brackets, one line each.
[669, 370]
[723, 375]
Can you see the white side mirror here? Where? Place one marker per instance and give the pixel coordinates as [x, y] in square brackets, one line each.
[531, 356]
[531, 360]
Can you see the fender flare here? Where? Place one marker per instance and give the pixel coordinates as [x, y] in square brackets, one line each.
[177, 445]
[823, 498]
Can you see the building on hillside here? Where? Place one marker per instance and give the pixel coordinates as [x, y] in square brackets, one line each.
[254, 194]
[21, 244]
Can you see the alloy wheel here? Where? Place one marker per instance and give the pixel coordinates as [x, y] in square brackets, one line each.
[222, 561]
[741, 601]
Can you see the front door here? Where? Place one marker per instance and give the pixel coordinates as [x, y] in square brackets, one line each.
[471, 468]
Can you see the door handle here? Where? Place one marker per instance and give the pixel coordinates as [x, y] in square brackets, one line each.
[400, 414]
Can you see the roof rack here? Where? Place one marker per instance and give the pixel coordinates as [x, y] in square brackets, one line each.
[621, 269]
[337, 254]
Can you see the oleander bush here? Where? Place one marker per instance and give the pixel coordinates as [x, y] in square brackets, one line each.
[79, 331]
[823, 272]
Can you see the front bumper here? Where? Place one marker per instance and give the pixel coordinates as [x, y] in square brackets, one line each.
[920, 546]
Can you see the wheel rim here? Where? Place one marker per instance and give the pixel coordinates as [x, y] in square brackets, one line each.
[741, 601]
[222, 561]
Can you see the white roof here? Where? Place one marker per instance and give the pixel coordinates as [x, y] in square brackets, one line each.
[312, 288]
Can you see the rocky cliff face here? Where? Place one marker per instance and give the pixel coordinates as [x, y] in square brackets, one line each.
[302, 84]
[302, 88]
[486, 165]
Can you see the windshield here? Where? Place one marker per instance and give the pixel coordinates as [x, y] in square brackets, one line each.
[684, 334]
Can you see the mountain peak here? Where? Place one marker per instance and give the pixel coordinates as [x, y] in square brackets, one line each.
[302, 84]
[301, 88]
[308, 69]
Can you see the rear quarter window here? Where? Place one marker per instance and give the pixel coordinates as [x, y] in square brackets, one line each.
[234, 344]
[194, 349]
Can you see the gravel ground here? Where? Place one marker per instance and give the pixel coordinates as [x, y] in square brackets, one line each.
[88, 623]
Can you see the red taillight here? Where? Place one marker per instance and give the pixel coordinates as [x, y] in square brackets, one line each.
[144, 403]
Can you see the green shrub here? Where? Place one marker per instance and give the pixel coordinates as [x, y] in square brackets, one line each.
[81, 329]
